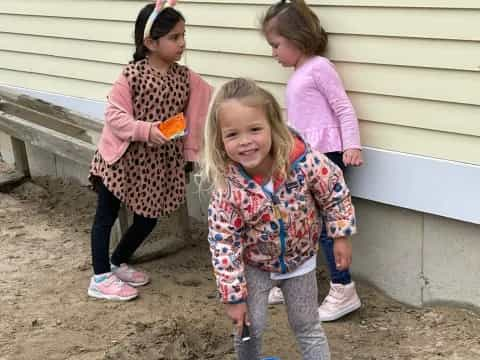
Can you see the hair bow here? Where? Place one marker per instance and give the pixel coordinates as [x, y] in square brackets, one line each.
[159, 7]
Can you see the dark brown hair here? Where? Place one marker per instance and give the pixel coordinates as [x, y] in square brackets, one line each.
[162, 25]
[295, 21]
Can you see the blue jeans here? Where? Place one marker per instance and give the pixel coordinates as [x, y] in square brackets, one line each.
[336, 276]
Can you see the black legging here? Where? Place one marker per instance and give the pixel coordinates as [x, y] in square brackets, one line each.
[107, 211]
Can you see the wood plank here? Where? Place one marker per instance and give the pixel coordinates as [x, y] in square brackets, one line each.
[429, 84]
[446, 54]
[444, 23]
[91, 50]
[434, 115]
[397, 111]
[50, 140]
[50, 112]
[55, 84]
[62, 67]
[127, 10]
[458, 4]
[423, 114]
[422, 23]
[20, 157]
[85, 29]
[434, 144]
[43, 119]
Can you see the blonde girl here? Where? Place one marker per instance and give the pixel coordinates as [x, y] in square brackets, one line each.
[262, 218]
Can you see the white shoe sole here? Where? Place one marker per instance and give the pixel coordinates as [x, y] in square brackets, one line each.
[99, 295]
[345, 311]
[137, 284]
[276, 302]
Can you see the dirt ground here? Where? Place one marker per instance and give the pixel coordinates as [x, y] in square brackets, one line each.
[45, 312]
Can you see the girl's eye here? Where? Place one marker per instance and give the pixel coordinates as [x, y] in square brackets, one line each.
[229, 135]
[255, 129]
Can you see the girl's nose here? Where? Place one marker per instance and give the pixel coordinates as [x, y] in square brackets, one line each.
[245, 140]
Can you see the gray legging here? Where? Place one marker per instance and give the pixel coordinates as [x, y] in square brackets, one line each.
[300, 295]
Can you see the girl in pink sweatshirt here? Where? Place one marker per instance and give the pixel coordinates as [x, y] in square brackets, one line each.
[135, 163]
[320, 110]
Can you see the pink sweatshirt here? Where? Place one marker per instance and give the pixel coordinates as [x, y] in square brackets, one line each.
[319, 108]
[121, 128]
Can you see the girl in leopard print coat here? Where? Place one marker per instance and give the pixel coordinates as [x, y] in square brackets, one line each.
[135, 163]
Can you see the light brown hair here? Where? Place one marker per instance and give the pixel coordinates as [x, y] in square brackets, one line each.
[214, 160]
[295, 21]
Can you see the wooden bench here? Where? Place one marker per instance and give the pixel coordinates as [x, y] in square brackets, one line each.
[74, 137]
[53, 129]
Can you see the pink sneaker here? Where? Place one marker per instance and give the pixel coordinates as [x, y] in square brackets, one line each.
[275, 296]
[111, 288]
[340, 301]
[131, 276]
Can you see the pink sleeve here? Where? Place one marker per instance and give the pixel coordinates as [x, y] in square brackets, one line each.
[119, 114]
[329, 82]
[196, 114]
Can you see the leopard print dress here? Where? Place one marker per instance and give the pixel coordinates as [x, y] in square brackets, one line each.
[149, 179]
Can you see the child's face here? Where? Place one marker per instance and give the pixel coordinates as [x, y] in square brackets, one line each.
[246, 136]
[283, 50]
[169, 48]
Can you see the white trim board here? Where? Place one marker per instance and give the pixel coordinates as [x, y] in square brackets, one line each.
[433, 186]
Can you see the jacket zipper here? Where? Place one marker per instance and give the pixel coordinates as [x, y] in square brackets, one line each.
[282, 232]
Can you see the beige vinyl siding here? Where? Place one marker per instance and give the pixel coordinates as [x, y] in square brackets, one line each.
[411, 67]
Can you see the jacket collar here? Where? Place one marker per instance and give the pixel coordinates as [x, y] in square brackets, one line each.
[239, 177]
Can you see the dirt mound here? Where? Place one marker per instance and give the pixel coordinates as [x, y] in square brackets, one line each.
[170, 339]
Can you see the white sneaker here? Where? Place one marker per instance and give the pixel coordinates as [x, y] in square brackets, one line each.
[275, 296]
[340, 301]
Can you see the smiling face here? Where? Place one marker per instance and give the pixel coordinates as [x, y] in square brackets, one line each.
[247, 136]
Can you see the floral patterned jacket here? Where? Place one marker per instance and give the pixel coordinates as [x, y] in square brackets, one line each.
[277, 231]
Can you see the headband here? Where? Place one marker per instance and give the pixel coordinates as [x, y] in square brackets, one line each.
[159, 6]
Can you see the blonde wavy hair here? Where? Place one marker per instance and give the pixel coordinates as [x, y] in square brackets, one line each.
[214, 160]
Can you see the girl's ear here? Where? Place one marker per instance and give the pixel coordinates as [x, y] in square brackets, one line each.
[150, 44]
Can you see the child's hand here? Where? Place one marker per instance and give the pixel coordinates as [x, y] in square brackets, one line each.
[352, 157]
[238, 314]
[342, 250]
[155, 136]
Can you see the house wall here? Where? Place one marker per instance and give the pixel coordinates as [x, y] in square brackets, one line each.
[411, 68]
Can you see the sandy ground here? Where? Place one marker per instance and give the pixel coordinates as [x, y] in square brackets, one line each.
[45, 312]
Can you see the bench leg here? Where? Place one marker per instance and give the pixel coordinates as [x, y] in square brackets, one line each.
[20, 156]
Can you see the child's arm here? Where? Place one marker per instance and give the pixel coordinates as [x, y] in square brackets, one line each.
[226, 246]
[196, 114]
[333, 199]
[119, 116]
[330, 84]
